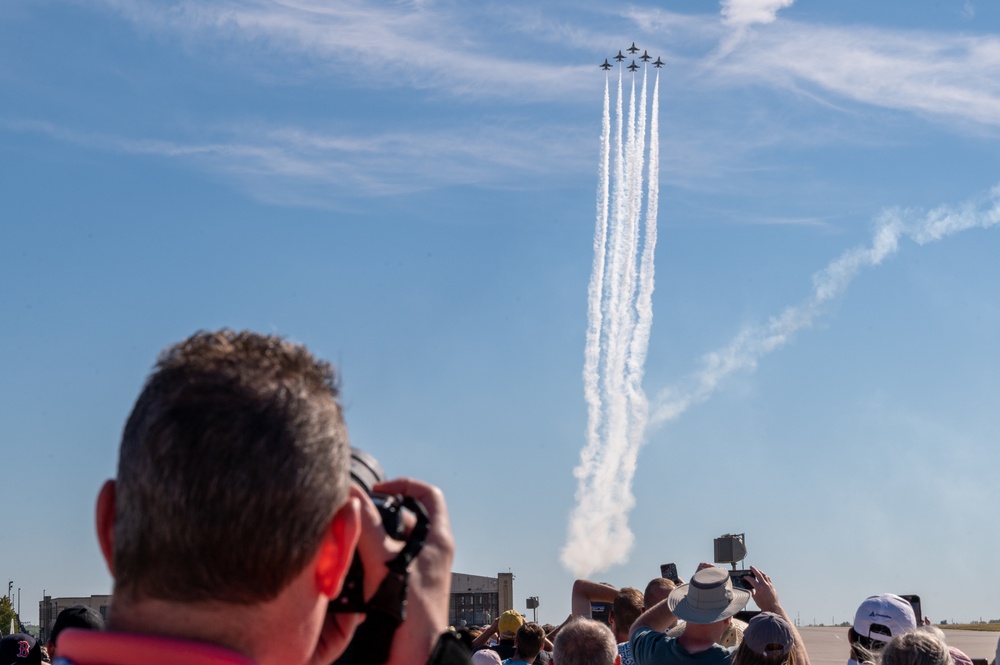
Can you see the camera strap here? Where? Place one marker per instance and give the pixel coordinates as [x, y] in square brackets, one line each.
[387, 608]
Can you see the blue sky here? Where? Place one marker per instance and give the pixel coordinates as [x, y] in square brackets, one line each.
[409, 188]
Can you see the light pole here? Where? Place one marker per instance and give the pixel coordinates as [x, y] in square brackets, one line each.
[532, 604]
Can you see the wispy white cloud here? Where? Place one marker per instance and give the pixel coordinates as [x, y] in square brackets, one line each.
[955, 77]
[740, 15]
[424, 45]
[295, 161]
[744, 13]
[445, 49]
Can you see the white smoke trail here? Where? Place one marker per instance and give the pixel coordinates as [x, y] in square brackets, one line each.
[592, 353]
[619, 332]
[752, 343]
[644, 299]
[602, 473]
[620, 320]
[598, 531]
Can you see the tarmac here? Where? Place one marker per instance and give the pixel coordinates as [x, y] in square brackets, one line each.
[827, 645]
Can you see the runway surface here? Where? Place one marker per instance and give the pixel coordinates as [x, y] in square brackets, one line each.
[828, 645]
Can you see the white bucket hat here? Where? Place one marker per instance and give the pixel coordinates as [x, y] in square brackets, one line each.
[708, 598]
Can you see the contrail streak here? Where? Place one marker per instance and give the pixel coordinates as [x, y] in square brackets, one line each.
[754, 342]
[619, 310]
[620, 319]
[592, 353]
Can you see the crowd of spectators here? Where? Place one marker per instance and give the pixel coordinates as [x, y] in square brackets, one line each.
[241, 530]
[696, 624]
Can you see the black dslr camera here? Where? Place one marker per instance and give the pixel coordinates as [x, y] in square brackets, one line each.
[365, 473]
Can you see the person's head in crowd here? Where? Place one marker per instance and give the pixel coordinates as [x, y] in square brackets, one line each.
[707, 603]
[231, 509]
[767, 640]
[20, 649]
[77, 616]
[878, 620]
[212, 399]
[508, 625]
[916, 648]
[733, 635]
[528, 641]
[625, 609]
[486, 657]
[548, 628]
[657, 589]
[585, 642]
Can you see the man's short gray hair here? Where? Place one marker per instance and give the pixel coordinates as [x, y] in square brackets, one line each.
[232, 465]
[585, 642]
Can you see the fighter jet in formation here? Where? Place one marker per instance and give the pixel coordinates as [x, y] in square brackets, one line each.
[645, 57]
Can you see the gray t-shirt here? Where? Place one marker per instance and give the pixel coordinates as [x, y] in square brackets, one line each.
[651, 647]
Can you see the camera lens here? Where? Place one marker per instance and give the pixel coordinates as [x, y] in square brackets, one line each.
[365, 470]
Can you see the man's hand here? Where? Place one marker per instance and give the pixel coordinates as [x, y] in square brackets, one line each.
[586, 592]
[484, 637]
[766, 597]
[764, 593]
[429, 579]
[430, 576]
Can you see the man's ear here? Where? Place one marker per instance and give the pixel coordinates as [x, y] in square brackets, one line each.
[106, 523]
[337, 548]
[618, 659]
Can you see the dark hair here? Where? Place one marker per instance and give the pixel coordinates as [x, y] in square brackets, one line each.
[863, 648]
[530, 638]
[232, 464]
[76, 616]
[626, 608]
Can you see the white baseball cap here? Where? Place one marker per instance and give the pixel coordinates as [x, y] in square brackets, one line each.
[883, 617]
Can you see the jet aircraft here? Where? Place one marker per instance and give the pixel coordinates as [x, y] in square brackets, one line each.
[619, 57]
[659, 63]
[645, 57]
[606, 66]
[632, 67]
[633, 48]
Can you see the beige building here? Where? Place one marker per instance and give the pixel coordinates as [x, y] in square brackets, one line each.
[478, 600]
[475, 599]
[49, 608]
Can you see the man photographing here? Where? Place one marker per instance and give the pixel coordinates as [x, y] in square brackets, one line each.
[231, 524]
[707, 604]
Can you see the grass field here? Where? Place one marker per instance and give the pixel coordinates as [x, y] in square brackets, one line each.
[984, 627]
